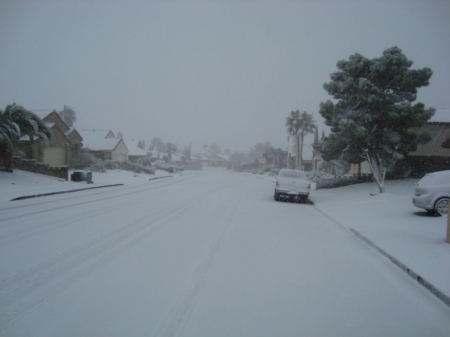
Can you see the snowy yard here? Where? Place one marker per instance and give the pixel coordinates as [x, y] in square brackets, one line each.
[210, 253]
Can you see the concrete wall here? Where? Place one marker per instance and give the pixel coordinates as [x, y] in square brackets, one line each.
[31, 165]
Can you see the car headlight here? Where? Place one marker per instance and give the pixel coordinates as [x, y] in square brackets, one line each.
[420, 191]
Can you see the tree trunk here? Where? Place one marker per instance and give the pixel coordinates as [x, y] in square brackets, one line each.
[301, 151]
[378, 171]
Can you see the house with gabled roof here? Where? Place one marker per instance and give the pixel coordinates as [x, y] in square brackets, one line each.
[105, 145]
[65, 142]
[136, 150]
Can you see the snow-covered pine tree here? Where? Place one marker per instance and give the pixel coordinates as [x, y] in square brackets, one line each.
[373, 113]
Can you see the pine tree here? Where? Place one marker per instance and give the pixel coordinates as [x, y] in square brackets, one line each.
[374, 114]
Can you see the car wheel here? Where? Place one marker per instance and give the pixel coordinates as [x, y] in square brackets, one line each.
[441, 206]
[276, 197]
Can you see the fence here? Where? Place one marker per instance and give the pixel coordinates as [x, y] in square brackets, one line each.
[31, 165]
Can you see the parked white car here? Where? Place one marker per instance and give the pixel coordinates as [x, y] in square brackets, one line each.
[162, 165]
[433, 192]
[292, 185]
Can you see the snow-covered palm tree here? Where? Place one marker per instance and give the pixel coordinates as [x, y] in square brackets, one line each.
[9, 130]
[300, 125]
[16, 121]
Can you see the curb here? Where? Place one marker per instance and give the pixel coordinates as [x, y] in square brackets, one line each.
[62, 192]
[77, 190]
[160, 178]
[424, 283]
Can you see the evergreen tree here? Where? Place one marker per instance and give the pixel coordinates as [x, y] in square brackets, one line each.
[373, 115]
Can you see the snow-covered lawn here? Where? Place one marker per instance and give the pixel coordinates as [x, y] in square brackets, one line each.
[22, 183]
[210, 253]
[392, 222]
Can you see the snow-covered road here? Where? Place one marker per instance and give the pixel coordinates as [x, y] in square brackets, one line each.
[208, 253]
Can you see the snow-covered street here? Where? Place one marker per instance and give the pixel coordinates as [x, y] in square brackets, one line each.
[207, 253]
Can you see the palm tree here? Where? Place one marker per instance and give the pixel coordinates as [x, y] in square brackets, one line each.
[9, 130]
[16, 121]
[300, 125]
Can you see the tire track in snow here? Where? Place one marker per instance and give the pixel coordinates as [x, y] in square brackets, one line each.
[179, 315]
[48, 225]
[31, 288]
[58, 223]
[83, 197]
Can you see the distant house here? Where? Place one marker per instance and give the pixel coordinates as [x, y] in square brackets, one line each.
[218, 161]
[105, 145]
[430, 157]
[136, 150]
[65, 142]
[434, 155]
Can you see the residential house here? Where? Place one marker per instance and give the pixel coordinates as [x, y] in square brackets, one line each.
[105, 145]
[430, 157]
[434, 155]
[218, 161]
[136, 150]
[65, 142]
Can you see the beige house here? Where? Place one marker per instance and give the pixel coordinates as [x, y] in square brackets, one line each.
[434, 155]
[430, 157]
[65, 142]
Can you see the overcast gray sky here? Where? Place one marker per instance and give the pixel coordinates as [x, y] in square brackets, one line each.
[200, 72]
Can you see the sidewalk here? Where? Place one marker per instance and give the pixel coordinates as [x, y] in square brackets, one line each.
[390, 222]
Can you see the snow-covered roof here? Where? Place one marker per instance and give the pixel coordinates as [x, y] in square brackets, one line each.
[133, 149]
[68, 132]
[96, 141]
[217, 157]
[198, 156]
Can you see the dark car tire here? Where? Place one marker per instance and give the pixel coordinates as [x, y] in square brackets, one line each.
[441, 207]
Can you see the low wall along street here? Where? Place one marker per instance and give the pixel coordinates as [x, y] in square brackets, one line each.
[31, 165]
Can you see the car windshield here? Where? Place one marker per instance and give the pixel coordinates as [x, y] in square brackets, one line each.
[292, 174]
[435, 178]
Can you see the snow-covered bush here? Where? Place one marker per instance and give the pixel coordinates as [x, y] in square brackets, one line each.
[96, 168]
[110, 165]
[83, 160]
[127, 166]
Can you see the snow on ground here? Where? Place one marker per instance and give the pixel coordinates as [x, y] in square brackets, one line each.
[22, 183]
[393, 223]
[214, 254]
[389, 220]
